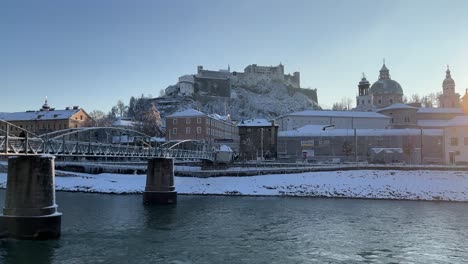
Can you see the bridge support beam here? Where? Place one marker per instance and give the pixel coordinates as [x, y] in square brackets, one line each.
[160, 182]
[30, 211]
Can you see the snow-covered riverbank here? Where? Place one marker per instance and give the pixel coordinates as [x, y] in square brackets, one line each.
[413, 185]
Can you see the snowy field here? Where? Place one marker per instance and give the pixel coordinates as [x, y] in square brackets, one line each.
[388, 184]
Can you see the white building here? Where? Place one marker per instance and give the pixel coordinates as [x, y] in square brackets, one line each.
[456, 140]
[339, 119]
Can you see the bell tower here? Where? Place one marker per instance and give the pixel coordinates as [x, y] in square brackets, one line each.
[448, 98]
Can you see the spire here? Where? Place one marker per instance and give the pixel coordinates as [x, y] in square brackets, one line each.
[447, 73]
[229, 68]
[384, 72]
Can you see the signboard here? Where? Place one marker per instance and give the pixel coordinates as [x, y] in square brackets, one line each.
[307, 143]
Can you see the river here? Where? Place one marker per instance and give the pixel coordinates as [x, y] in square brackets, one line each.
[98, 228]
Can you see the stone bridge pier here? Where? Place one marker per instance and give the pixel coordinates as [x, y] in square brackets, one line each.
[159, 187]
[30, 211]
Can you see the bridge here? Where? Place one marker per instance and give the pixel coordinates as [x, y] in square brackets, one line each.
[97, 143]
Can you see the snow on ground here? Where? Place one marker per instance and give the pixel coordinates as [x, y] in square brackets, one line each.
[388, 184]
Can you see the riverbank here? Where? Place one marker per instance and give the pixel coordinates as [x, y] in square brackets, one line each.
[372, 184]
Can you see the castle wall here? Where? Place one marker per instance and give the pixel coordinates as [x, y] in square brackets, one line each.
[213, 87]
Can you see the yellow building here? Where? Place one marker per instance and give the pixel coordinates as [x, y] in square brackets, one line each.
[45, 120]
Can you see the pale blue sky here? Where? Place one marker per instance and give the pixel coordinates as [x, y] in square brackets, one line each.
[92, 53]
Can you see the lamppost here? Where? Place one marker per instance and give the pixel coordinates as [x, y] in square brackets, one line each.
[331, 145]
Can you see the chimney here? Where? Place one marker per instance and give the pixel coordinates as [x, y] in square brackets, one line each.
[75, 107]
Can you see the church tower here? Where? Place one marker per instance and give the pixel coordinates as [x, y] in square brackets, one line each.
[448, 98]
[364, 100]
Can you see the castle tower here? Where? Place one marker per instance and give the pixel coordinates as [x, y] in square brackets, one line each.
[448, 98]
[364, 100]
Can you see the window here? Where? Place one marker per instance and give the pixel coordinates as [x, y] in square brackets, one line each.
[198, 120]
[380, 101]
[198, 130]
[187, 121]
[187, 130]
[454, 141]
[174, 121]
[465, 141]
[391, 101]
[174, 131]
[207, 130]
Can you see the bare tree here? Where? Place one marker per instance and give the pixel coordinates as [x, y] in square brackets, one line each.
[343, 105]
[98, 119]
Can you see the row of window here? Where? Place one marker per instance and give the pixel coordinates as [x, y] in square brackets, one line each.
[454, 141]
[187, 130]
[188, 121]
[217, 124]
[33, 127]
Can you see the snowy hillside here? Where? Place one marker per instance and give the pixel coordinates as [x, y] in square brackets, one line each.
[266, 100]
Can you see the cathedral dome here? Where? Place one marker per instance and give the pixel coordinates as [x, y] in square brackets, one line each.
[385, 85]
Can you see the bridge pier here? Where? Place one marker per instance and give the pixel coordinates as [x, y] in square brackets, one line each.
[30, 211]
[159, 187]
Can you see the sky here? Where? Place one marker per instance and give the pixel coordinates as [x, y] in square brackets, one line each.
[93, 53]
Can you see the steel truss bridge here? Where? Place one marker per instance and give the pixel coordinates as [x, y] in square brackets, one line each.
[96, 143]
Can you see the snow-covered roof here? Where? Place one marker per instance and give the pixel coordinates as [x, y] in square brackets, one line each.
[120, 122]
[397, 106]
[41, 115]
[255, 122]
[225, 148]
[220, 117]
[158, 139]
[458, 121]
[387, 150]
[432, 123]
[427, 110]
[337, 114]
[187, 113]
[318, 132]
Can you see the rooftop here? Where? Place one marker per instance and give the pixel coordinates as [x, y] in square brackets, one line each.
[40, 115]
[187, 113]
[337, 114]
[255, 122]
[397, 106]
[427, 110]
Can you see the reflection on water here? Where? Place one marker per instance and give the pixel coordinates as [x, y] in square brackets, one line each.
[213, 229]
[13, 251]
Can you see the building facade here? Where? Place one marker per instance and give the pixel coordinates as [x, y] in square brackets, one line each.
[371, 145]
[339, 119]
[402, 115]
[258, 139]
[213, 130]
[46, 119]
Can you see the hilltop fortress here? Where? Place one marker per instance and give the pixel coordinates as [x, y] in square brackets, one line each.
[220, 83]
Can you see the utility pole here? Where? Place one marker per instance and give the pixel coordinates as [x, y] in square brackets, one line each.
[421, 149]
[261, 143]
[355, 146]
